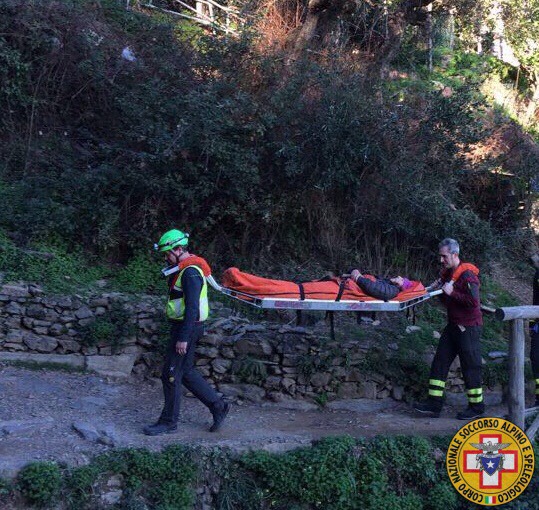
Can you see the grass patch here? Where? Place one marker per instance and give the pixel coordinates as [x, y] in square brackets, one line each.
[46, 366]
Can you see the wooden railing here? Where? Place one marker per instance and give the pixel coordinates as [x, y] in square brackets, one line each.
[517, 384]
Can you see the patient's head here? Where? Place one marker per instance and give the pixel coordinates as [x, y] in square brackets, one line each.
[401, 283]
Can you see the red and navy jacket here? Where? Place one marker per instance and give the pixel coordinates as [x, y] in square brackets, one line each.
[463, 305]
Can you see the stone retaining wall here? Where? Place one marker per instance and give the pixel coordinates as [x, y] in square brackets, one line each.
[245, 360]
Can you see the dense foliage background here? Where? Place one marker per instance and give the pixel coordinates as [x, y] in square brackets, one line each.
[270, 156]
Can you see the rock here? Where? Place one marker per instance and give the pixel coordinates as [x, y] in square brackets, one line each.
[211, 339]
[15, 290]
[35, 290]
[288, 384]
[228, 352]
[208, 352]
[397, 392]
[112, 366]
[436, 335]
[57, 329]
[291, 360]
[250, 328]
[393, 346]
[35, 311]
[368, 390]
[273, 382]
[455, 365]
[14, 347]
[109, 436]
[40, 330]
[15, 336]
[131, 349]
[111, 498]
[412, 329]
[84, 313]
[298, 330]
[104, 302]
[354, 375]
[27, 322]
[65, 303]
[320, 379]
[349, 390]
[497, 355]
[276, 396]
[14, 308]
[40, 343]
[245, 391]
[42, 323]
[62, 359]
[220, 365]
[86, 430]
[14, 427]
[383, 393]
[254, 347]
[147, 325]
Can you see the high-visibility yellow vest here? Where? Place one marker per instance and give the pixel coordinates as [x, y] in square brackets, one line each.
[175, 308]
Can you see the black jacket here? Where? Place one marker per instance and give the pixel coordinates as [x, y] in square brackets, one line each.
[382, 288]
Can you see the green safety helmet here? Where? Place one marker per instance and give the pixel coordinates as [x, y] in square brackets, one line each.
[172, 239]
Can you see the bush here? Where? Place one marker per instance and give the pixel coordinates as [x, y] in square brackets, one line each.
[40, 482]
[111, 328]
[297, 155]
[141, 274]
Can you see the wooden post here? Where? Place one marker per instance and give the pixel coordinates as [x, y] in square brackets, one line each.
[517, 386]
[516, 373]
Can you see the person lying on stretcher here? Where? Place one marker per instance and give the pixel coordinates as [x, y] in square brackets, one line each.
[380, 288]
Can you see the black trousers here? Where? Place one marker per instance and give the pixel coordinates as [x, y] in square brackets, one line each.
[179, 370]
[464, 344]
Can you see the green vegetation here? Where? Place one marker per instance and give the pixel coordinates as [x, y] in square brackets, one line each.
[40, 483]
[267, 160]
[109, 329]
[250, 370]
[341, 473]
[48, 366]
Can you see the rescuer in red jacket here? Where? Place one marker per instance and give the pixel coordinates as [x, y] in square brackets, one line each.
[461, 337]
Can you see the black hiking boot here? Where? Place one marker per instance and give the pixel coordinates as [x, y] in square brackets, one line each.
[471, 413]
[429, 408]
[160, 428]
[219, 413]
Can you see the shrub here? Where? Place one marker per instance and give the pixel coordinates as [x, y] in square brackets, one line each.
[5, 489]
[250, 370]
[40, 482]
[141, 274]
[110, 328]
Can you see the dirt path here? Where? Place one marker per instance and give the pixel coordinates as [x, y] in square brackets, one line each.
[38, 410]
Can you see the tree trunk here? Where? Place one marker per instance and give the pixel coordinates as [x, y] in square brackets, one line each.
[408, 12]
[321, 20]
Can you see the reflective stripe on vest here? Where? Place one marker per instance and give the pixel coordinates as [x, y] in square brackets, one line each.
[175, 308]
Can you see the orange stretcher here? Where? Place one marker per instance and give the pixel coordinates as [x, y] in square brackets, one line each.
[332, 295]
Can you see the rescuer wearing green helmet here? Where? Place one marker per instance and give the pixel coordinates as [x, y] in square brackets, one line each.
[187, 309]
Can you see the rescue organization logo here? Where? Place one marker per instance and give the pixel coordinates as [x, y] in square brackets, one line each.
[490, 461]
